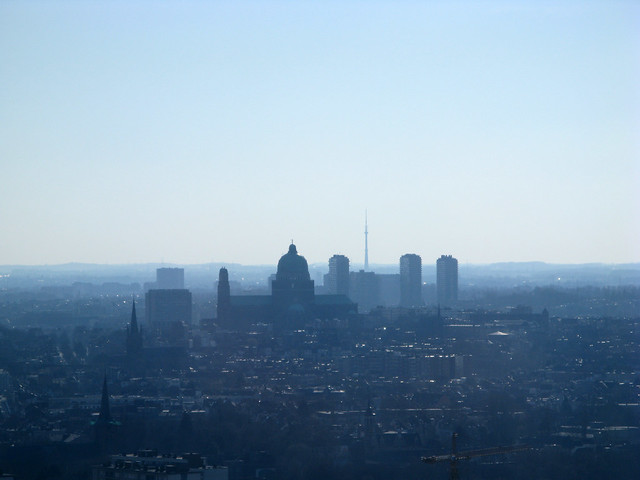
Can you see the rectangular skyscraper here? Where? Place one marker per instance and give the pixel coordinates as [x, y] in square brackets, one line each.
[169, 304]
[337, 280]
[447, 279]
[410, 280]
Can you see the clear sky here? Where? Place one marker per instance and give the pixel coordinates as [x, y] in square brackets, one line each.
[190, 132]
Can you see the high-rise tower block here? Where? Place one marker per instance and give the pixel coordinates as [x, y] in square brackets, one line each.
[410, 280]
[447, 279]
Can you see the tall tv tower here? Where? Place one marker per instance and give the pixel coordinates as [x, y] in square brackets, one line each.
[366, 243]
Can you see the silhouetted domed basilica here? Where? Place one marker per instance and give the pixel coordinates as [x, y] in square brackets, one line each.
[293, 266]
[292, 298]
[293, 286]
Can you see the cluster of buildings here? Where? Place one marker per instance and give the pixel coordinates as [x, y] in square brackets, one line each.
[386, 387]
[293, 294]
[301, 374]
[369, 289]
[327, 378]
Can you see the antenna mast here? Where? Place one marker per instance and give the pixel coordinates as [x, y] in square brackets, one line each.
[366, 243]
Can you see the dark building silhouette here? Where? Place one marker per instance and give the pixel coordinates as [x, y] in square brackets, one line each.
[293, 286]
[447, 279]
[337, 280]
[134, 334]
[410, 280]
[292, 298]
[224, 295]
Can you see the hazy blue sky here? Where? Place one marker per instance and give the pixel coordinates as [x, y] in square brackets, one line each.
[140, 131]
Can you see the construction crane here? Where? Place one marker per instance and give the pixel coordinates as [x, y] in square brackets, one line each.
[454, 457]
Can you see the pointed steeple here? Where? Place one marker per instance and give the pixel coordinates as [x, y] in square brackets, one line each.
[105, 427]
[134, 319]
[105, 413]
[134, 334]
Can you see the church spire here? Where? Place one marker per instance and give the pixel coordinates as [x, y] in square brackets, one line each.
[104, 425]
[134, 334]
[134, 319]
[105, 413]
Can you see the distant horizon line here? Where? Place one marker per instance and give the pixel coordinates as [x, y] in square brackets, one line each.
[216, 262]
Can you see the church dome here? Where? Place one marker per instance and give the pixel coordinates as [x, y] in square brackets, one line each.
[292, 266]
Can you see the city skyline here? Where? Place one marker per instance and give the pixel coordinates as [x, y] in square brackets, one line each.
[190, 132]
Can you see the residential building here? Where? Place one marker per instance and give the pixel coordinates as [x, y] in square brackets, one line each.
[337, 280]
[410, 280]
[447, 279]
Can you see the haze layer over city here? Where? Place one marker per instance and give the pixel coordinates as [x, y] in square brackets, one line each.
[309, 240]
